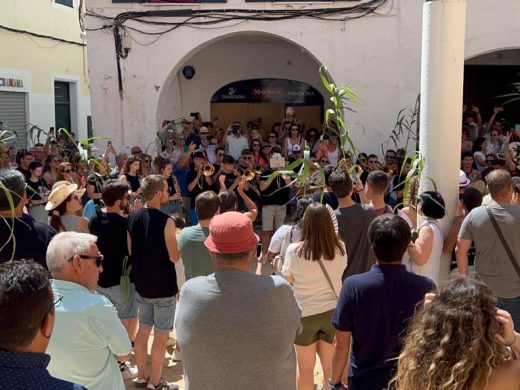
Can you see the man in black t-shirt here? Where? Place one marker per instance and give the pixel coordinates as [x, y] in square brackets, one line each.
[153, 247]
[19, 232]
[275, 196]
[110, 227]
[197, 182]
[228, 170]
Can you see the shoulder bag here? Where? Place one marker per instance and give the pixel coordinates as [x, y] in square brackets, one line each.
[327, 277]
[504, 242]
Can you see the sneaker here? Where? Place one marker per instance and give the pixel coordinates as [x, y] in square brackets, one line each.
[170, 342]
[128, 371]
[176, 357]
[141, 383]
[163, 385]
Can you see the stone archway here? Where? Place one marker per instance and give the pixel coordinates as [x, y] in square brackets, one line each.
[237, 56]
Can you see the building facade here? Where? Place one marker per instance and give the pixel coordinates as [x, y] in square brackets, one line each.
[158, 60]
[43, 67]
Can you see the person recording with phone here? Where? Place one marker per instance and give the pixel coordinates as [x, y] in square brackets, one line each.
[234, 140]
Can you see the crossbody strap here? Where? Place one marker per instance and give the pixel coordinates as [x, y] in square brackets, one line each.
[504, 242]
[327, 277]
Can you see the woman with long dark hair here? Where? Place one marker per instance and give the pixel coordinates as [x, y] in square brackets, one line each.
[314, 267]
[50, 170]
[459, 341]
[174, 205]
[37, 193]
[131, 175]
[259, 159]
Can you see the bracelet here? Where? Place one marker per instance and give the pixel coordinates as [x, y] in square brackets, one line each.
[513, 342]
[333, 386]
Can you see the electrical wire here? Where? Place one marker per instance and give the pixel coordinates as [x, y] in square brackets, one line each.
[213, 19]
[15, 30]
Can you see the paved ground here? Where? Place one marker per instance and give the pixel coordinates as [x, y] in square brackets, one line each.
[172, 371]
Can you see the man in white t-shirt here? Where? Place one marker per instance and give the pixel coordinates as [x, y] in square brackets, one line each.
[234, 140]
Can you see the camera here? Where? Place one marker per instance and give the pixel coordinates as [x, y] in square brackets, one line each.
[235, 128]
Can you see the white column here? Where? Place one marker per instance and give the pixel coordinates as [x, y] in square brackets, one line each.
[442, 76]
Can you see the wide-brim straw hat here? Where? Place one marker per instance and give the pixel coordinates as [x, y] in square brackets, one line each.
[61, 190]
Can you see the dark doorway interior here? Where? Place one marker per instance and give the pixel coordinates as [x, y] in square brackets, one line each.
[482, 85]
[62, 105]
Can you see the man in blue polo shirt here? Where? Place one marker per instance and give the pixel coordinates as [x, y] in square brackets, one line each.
[374, 308]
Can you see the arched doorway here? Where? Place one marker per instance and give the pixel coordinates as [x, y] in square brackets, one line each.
[488, 76]
[265, 101]
[243, 57]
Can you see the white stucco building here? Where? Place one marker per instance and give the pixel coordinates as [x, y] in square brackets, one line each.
[378, 55]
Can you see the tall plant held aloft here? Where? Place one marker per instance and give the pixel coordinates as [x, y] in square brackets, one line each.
[335, 123]
[36, 133]
[406, 129]
[341, 98]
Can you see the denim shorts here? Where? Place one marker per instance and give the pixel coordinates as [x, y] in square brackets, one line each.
[156, 312]
[126, 306]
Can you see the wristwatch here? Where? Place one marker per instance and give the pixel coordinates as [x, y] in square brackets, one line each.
[333, 386]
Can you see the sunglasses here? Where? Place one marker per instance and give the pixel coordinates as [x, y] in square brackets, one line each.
[136, 152]
[294, 128]
[390, 157]
[272, 136]
[67, 171]
[56, 299]
[98, 259]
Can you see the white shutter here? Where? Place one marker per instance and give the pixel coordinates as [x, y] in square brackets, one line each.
[12, 114]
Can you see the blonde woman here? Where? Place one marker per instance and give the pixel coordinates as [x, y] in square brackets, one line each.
[459, 341]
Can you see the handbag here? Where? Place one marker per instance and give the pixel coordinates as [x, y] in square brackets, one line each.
[504, 242]
[279, 258]
[327, 277]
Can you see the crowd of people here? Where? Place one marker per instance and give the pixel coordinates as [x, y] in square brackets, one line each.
[99, 253]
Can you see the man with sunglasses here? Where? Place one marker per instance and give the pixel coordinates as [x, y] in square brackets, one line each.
[89, 334]
[27, 322]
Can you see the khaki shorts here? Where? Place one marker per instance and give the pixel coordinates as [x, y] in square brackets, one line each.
[316, 327]
[273, 216]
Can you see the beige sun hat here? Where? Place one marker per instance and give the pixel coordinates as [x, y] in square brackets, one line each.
[61, 190]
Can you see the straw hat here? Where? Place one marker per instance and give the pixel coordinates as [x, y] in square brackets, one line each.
[61, 190]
